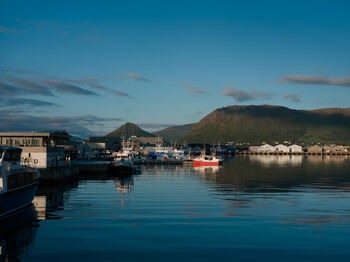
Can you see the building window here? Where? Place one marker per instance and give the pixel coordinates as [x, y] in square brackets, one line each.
[35, 142]
[9, 142]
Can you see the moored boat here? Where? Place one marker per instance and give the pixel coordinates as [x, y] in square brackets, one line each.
[122, 166]
[18, 183]
[207, 160]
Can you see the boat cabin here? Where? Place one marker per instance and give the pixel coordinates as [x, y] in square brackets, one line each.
[12, 174]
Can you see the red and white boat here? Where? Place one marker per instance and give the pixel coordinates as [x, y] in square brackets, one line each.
[207, 161]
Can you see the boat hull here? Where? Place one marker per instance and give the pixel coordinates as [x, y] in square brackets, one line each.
[18, 198]
[206, 163]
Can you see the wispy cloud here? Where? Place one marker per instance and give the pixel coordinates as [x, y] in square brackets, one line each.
[20, 71]
[86, 80]
[315, 80]
[7, 29]
[292, 97]
[14, 120]
[119, 93]
[22, 102]
[136, 77]
[28, 86]
[245, 95]
[197, 90]
[19, 82]
[65, 88]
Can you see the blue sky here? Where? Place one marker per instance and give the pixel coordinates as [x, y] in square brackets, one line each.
[90, 66]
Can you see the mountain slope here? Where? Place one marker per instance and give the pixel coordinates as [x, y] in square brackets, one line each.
[127, 130]
[257, 124]
[174, 133]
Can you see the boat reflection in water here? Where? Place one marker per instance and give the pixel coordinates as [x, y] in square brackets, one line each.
[17, 233]
[124, 187]
[206, 170]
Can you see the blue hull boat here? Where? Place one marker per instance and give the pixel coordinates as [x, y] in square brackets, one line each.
[18, 198]
[18, 183]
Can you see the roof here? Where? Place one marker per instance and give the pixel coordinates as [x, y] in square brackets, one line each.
[33, 134]
[10, 147]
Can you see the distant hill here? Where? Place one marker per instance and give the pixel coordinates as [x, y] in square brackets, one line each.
[129, 129]
[257, 124]
[174, 133]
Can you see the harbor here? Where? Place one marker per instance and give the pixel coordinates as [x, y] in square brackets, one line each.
[211, 207]
[58, 159]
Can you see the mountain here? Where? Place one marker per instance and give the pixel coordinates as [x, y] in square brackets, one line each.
[174, 133]
[127, 130]
[257, 124]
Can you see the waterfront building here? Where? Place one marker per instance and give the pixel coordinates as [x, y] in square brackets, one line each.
[327, 149]
[282, 148]
[111, 143]
[254, 149]
[92, 150]
[316, 149]
[266, 148]
[39, 149]
[295, 149]
[338, 149]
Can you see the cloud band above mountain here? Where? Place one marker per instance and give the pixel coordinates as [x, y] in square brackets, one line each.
[315, 80]
[245, 95]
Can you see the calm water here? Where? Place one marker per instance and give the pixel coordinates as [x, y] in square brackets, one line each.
[252, 209]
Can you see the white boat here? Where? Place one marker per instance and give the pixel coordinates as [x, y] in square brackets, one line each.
[165, 151]
[18, 183]
[122, 165]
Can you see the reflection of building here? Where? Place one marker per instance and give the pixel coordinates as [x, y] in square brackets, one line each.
[39, 149]
[279, 160]
[326, 159]
[39, 203]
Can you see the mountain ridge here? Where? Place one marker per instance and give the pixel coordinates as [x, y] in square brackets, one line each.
[267, 123]
[127, 130]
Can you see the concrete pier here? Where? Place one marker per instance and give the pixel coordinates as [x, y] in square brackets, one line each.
[292, 153]
[50, 175]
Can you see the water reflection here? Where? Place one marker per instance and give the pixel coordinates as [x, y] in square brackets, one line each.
[17, 234]
[39, 203]
[159, 170]
[249, 175]
[252, 184]
[246, 209]
[279, 160]
[51, 198]
[124, 187]
[207, 170]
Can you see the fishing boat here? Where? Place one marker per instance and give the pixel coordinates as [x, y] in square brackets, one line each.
[165, 151]
[206, 160]
[18, 183]
[122, 166]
